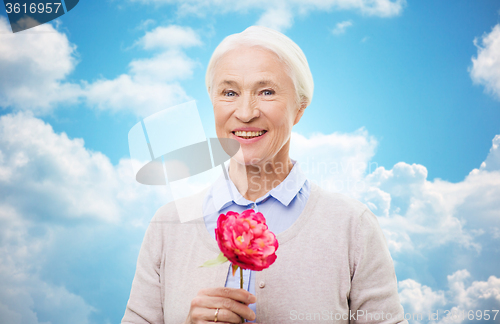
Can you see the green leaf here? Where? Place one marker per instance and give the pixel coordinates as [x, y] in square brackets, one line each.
[220, 259]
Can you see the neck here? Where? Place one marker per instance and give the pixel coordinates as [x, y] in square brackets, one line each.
[254, 181]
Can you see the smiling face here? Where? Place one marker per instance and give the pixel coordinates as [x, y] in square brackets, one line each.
[252, 91]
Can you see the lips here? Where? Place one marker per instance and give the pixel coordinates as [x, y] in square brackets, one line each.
[251, 138]
[248, 134]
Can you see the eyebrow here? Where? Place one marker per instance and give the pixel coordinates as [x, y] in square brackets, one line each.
[227, 82]
[266, 83]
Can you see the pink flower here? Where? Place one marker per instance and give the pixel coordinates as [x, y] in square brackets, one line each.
[245, 240]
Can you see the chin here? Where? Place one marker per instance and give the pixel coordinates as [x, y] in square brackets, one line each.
[245, 160]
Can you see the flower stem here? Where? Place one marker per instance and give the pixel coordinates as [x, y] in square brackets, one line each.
[241, 286]
[241, 278]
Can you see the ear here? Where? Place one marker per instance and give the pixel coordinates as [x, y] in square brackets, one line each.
[300, 112]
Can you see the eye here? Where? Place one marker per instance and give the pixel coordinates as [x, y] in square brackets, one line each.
[267, 92]
[229, 93]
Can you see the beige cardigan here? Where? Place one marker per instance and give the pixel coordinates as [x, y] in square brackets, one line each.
[333, 266]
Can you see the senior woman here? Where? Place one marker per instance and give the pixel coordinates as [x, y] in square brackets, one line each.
[333, 264]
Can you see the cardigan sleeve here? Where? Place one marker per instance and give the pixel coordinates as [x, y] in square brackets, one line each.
[374, 295]
[145, 302]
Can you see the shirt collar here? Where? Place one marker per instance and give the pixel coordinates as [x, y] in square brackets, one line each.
[224, 191]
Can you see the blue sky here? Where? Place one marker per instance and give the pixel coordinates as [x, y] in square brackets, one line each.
[408, 91]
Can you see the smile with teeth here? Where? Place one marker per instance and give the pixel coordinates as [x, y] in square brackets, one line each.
[248, 135]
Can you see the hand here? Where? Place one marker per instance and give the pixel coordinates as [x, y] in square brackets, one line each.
[232, 304]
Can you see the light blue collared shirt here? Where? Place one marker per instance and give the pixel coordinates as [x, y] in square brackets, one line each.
[281, 207]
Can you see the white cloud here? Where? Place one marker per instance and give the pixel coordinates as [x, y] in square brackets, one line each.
[67, 218]
[424, 221]
[170, 37]
[145, 24]
[279, 14]
[26, 299]
[165, 67]
[128, 94]
[39, 165]
[35, 64]
[47, 175]
[341, 27]
[151, 84]
[458, 299]
[485, 68]
[33, 68]
[418, 213]
[279, 18]
[415, 212]
[336, 162]
[418, 298]
[492, 162]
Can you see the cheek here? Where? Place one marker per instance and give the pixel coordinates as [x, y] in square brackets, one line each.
[280, 119]
[221, 118]
[219, 127]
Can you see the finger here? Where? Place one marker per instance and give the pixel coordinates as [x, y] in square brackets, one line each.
[226, 304]
[208, 314]
[240, 295]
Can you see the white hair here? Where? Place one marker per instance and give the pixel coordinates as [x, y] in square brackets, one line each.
[286, 50]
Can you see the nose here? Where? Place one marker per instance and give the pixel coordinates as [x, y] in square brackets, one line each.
[247, 109]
